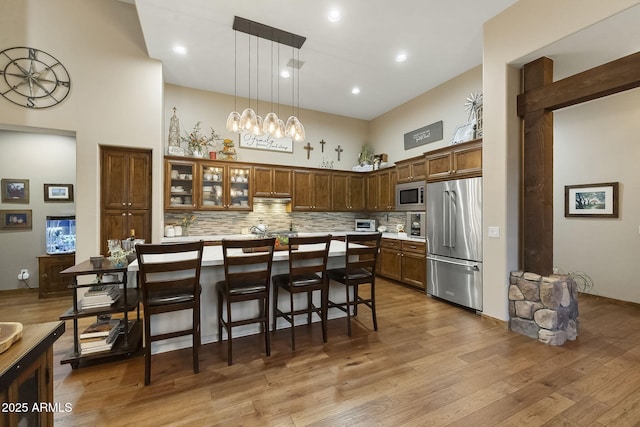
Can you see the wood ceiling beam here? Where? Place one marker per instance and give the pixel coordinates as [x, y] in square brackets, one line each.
[607, 79]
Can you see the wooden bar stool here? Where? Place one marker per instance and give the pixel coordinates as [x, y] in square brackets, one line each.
[169, 277]
[247, 272]
[360, 269]
[307, 273]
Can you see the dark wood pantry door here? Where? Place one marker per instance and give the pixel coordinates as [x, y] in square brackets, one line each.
[125, 194]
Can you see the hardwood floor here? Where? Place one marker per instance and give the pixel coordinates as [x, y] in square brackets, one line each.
[429, 364]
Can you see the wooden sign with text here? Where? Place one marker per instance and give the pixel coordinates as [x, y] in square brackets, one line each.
[266, 142]
[424, 135]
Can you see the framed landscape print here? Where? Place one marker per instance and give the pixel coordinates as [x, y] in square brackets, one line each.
[58, 192]
[15, 190]
[15, 220]
[591, 200]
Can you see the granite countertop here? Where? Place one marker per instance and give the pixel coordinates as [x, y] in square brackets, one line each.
[219, 237]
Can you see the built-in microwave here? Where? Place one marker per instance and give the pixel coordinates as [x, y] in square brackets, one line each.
[410, 196]
[366, 225]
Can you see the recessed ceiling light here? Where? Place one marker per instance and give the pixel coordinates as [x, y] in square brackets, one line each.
[181, 50]
[334, 15]
[401, 57]
[355, 90]
[285, 74]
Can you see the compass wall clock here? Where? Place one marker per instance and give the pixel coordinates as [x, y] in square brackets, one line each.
[32, 78]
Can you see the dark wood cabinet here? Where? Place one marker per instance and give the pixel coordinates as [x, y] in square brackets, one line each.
[125, 194]
[414, 264]
[390, 260]
[311, 190]
[26, 377]
[380, 194]
[404, 261]
[348, 191]
[271, 182]
[410, 170]
[51, 283]
[456, 161]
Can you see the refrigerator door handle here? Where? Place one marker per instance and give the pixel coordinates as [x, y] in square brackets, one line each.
[452, 223]
[445, 218]
[462, 264]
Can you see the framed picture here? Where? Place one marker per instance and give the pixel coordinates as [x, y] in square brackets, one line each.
[15, 220]
[58, 192]
[464, 133]
[591, 200]
[15, 190]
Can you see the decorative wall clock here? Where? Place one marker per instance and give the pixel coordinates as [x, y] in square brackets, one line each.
[32, 78]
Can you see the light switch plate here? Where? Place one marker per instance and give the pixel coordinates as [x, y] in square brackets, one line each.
[494, 231]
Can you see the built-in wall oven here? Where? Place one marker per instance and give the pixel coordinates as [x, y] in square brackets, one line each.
[410, 196]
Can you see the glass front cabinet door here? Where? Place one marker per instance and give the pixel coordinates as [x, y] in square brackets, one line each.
[179, 188]
[225, 187]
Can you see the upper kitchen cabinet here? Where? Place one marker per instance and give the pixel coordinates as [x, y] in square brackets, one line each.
[348, 191]
[272, 182]
[224, 186]
[311, 190]
[180, 176]
[410, 170]
[455, 161]
[381, 190]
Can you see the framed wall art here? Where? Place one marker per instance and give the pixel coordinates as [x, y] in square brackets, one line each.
[591, 200]
[58, 192]
[15, 219]
[15, 190]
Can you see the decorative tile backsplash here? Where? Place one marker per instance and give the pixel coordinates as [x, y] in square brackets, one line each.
[276, 217]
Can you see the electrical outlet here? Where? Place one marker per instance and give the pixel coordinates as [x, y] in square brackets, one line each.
[24, 274]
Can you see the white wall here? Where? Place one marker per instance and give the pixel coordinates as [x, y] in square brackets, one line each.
[41, 159]
[603, 148]
[445, 102]
[115, 98]
[526, 27]
[212, 109]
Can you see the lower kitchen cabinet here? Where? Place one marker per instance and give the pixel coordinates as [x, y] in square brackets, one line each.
[404, 261]
[51, 283]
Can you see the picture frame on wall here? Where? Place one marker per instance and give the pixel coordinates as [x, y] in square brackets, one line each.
[58, 192]
[15, 219]
[15, 190]
[591, 200]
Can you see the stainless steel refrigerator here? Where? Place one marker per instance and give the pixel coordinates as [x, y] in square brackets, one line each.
[454, 241]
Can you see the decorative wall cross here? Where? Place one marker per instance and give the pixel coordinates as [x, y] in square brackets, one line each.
[322, 142]
[339, 150]
[308, 147]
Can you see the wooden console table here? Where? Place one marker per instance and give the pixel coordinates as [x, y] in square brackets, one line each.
[26, 376]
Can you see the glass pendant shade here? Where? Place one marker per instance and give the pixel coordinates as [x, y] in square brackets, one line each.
[233, 122]
[290, 127]
[257, 129]
[270, 123]
[279, 133]
[299, 135]
[248, 119]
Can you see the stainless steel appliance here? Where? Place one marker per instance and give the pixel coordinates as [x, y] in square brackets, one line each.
[366, 225]
[454, 241]
[416, 224]
[410, 196]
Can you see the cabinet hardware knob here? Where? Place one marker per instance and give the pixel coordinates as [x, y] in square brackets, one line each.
[124, 204]
[124, 214]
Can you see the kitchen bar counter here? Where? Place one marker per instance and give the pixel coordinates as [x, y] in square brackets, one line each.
[219, 237]
[212, 272]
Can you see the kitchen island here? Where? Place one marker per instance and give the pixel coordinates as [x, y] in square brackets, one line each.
[212, 272]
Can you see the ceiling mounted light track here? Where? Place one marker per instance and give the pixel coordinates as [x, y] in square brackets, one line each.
[250, 121]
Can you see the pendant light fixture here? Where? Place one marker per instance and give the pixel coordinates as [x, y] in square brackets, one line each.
[250, 121]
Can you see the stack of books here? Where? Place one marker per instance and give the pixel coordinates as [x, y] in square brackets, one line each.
[100, 296]
[99, 336]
